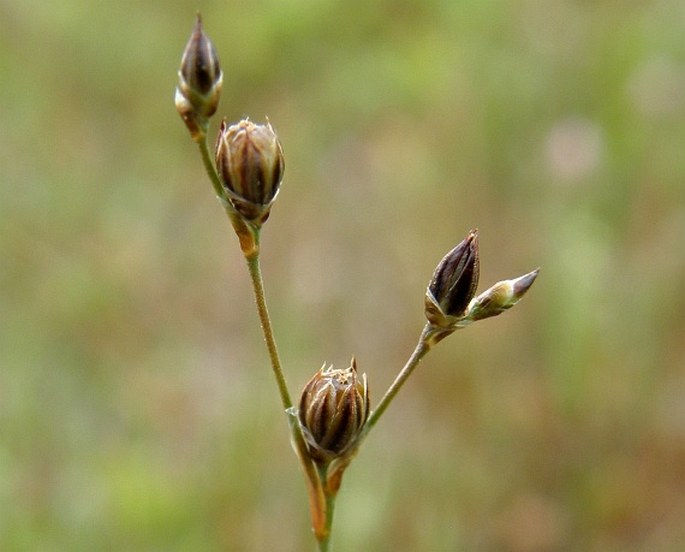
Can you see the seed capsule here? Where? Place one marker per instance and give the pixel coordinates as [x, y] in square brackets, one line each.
[199, 80]
[333, 409]
[249, 160]
[454, 283]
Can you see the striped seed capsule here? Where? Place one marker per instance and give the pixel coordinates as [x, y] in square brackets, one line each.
[199, 81]
[333, 409]
[249, 160]
[454, 283]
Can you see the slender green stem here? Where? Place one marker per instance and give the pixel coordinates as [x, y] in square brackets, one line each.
[248, 236]
[422, 347]
[202, 144]
[325, 544]
[258, 286]
[324, 541]
[317, 503]
[252, 258]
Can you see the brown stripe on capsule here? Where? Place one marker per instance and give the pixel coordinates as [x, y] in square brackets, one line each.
[249, 160]
[455, 279]
[333, 408]
[199, 77]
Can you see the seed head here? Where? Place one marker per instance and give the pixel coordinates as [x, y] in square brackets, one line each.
[454, 283]
[199, 80]
[249, 160]
[333, 409]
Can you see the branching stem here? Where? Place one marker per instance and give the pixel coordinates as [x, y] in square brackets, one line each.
[248, 236]
[319, 502]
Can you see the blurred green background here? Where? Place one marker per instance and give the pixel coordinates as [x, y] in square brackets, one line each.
[137, 408]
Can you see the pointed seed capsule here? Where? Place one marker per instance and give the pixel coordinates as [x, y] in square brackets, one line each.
[199, 80]
[454, 283]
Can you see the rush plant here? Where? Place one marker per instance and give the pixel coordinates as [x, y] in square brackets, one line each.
[333, 415]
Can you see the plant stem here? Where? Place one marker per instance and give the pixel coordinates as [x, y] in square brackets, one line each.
[251, 253]
[258, 287]
[324, 540]
[202, 144]
[318, 503]
[249, 242]
[248, 236]
[422, 347]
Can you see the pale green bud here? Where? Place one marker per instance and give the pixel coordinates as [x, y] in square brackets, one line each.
[500, 297]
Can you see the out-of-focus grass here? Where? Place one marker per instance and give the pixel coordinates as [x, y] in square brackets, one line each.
[137, 411]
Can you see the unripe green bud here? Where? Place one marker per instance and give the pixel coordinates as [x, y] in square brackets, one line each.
[199, 81]
[500, 297]
[249, 160]
[454, 283]
[333, 409]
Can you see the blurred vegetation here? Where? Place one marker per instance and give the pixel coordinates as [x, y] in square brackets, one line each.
[137, 409]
